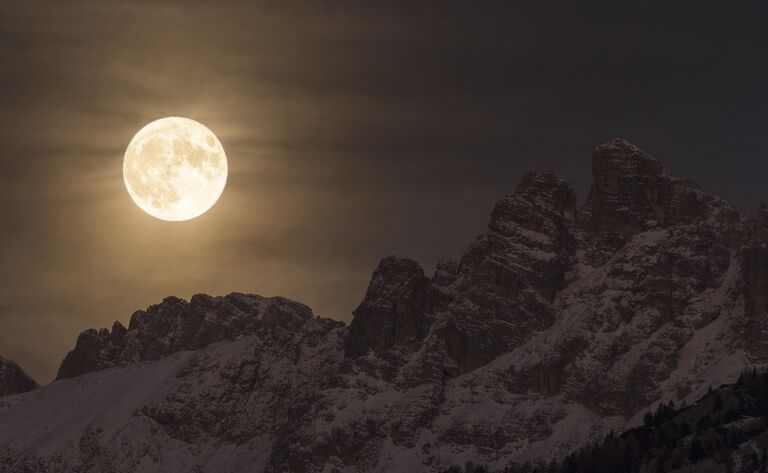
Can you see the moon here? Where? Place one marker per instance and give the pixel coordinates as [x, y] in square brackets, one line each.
[175, 169]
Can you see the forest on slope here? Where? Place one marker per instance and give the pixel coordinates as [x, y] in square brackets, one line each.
[726, 431]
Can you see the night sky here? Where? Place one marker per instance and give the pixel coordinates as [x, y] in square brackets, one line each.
[352, 132]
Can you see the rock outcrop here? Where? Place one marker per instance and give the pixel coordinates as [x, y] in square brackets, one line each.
[13, 380]
[632, 193]
[557, 325]
[176, 325]
[508, 279]
[396, 308]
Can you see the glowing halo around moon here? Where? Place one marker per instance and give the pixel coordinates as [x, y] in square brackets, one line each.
[175, 169]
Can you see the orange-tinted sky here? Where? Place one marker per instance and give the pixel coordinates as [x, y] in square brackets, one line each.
[352, 132]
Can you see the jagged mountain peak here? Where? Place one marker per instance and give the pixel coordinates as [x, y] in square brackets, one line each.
[631, 193]
[548, 189]
[392, 276]
[175, 325]
[13, 380]
[623, 157]
[393, 310]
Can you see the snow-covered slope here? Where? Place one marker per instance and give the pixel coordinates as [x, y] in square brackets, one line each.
[724, 431]
[557, 325]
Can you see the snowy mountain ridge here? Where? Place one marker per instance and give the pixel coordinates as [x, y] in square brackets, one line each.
[557, 325]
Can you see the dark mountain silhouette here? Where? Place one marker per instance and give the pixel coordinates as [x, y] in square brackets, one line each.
[13, 380]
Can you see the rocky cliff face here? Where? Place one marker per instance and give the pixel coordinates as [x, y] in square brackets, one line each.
[396, 308]
[558, 324]
[176, 325]
[632, 193]
[13, 380]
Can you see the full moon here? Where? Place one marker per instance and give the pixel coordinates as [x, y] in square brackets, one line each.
[175, 169]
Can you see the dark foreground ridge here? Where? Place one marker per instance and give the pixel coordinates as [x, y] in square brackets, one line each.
[558, 325]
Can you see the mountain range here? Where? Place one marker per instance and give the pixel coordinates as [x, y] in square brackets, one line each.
[560, 324]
